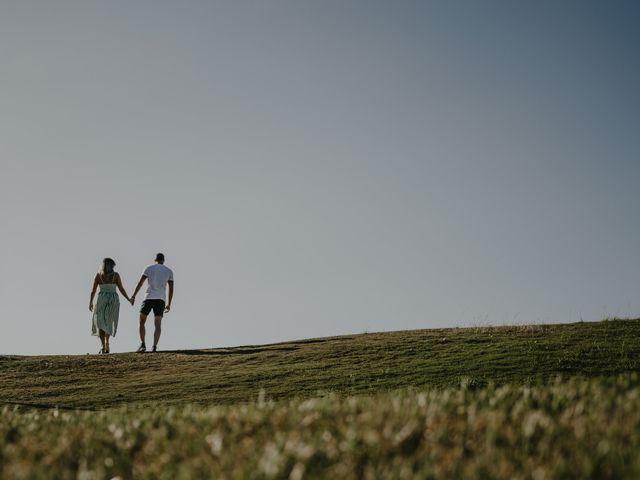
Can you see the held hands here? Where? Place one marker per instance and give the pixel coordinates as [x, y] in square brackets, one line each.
[132, 299]
[91, 307]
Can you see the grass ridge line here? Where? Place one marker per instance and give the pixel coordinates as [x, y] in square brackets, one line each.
[347, 365]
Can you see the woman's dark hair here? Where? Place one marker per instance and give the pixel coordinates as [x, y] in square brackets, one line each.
[107, 266]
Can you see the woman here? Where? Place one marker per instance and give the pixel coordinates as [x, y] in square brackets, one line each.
[107, 307]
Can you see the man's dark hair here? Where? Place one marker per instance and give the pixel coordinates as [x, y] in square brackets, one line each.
[160, 257]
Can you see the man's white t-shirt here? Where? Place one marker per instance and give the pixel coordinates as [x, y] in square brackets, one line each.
[157, 276]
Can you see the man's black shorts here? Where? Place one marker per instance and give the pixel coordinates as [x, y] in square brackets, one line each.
[156, 305]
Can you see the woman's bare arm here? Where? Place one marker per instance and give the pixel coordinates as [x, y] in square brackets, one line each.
[121, 288]
[93, 292]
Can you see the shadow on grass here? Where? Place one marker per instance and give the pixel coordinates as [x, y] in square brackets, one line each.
[248, 349]
[235, 351]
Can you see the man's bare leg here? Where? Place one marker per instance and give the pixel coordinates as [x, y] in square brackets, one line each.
[157, 332]
[143, 332]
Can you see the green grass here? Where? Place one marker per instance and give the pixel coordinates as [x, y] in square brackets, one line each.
[349, 365]
[539, 402]
[579, 428]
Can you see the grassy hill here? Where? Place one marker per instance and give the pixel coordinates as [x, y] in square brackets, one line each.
[541, 402]
[347, 365]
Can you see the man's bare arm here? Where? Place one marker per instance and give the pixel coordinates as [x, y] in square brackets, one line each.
[138, 287]
[168, 307]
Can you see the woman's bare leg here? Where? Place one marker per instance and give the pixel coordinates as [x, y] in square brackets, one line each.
[106, 342]
[102, 339]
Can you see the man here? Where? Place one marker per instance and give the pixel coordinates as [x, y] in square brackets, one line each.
[158, 276]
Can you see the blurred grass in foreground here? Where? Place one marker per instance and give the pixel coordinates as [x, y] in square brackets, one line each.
[574, 428]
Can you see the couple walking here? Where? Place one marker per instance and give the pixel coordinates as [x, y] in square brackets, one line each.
[107, 307]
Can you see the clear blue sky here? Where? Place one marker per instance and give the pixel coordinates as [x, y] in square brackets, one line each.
[318, 168]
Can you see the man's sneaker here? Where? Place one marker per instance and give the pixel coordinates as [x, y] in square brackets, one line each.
[142, 348]
[154, 349]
